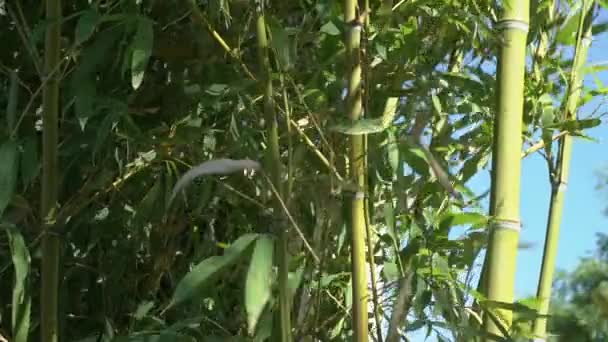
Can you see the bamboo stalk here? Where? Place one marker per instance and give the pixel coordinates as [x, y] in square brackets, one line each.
[274, 165]
[377, 310]
[506, 163]
[354, 104]
[560, 180]
[50, 239]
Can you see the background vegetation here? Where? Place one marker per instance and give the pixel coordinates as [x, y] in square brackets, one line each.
[107, 103]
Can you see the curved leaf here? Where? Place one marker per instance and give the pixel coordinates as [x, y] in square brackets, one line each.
[258, 285]
[86, 25]
[196, 279]
[21, 303]
[142, 50]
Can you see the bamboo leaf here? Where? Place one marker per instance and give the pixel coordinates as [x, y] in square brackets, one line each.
[437, 104]
[359, 127]
[143, 309]
[575, 125]
[392, 151]
[390, 271]
[142, 50]
[30, 161]
[213, 167]
[21, 302]
[195, 280]
[295, 279]
[86, 26]
[258, 284]
[567, 33]
[463, 218]
[330, 28]
[9, 166]
[13, 98]
[147, 208]
[281, 44]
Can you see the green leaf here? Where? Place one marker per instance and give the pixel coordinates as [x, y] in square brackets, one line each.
[575, 125]
[9, 154]
[392, 151]
[258, 284]
[458, 219]
[21, 302]
[216, 89]
[30, 160]
[294, 280]
[359, 127]
[149, 207]
[390, 271]
[86, 25]
[13, 99]
[143, 309]
[415, 325]
[437, 104]
[330, 28]
[281, 44]
[195, 280]
[142, 50]
[567, 33]
[472, 165]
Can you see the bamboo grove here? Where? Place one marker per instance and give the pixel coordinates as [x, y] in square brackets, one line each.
[232, 170]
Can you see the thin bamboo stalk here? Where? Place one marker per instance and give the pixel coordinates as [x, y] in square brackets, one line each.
[560, 180]
[368, 223]
[506, 163]
[50, 239]
[274, 165]
[354, 105]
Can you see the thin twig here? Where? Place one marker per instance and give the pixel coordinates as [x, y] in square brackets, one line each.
[23, 34]
[541, 144]
[291, 219]
[202, 19]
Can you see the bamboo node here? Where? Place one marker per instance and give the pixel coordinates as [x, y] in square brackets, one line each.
[506, 224]
[562, 186]
[356, 27]
[359, 195]
[513, 24]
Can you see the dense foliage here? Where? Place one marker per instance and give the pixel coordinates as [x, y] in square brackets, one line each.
[149, 89]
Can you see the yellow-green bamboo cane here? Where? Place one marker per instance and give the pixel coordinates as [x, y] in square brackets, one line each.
[559, 182]
[50, 237]
[506, 162]
[356, 206]
[274, 166]
[368, 222]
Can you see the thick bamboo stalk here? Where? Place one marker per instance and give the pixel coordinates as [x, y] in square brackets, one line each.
[50, 238]
[274, 165]
[506, 162]
[558, 185]
[356, 206]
